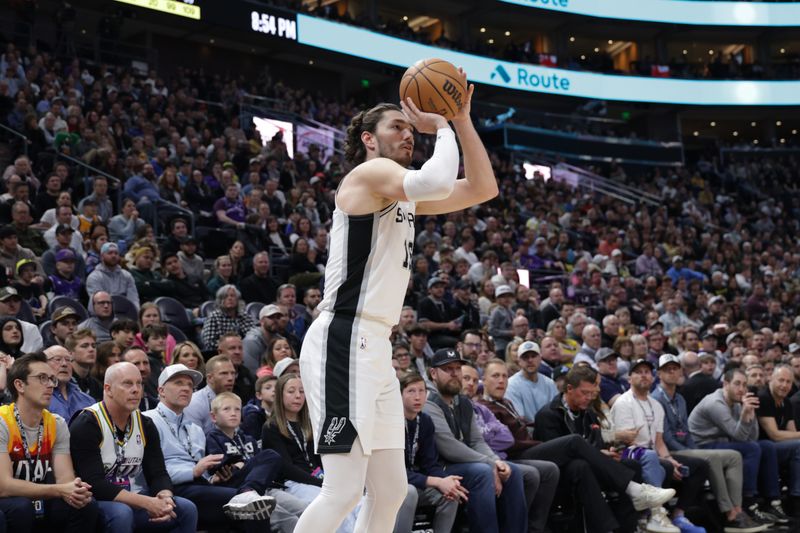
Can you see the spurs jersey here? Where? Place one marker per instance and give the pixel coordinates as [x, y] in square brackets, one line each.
[369, 263]
[122, 459]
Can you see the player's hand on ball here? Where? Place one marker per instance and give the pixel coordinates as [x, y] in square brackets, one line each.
[422, 122]
[463, 114]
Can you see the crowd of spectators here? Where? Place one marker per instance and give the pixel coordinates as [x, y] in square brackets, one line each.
[709, 275]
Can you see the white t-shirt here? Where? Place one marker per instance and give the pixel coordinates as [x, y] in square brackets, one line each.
[630, 412]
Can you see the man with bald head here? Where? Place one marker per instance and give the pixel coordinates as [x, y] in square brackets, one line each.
[67, 397]
[592, 339]
[138, 358]
[698, 384]
[111, 443]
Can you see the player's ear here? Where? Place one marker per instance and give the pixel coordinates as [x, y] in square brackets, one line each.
[368, 139]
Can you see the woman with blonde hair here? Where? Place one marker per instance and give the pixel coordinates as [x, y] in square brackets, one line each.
[511, 356]
[189, 354]
[557, 329]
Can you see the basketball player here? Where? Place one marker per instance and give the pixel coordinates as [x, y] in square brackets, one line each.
[346, 361]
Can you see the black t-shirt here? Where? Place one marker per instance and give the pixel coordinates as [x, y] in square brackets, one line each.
[767, 408]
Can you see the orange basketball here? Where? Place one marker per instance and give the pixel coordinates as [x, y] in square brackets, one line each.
[435, 86]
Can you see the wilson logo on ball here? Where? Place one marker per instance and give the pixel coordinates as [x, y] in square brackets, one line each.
[451, 89]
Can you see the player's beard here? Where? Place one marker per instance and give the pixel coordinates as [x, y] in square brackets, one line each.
[398, 155]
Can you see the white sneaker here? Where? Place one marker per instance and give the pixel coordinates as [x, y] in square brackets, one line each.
[660, 523]
[650, 497]
[249, 505]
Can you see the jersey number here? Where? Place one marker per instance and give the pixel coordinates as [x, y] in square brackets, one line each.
[408, 251]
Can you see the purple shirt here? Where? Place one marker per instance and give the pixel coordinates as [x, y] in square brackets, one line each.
[495, 433]
[234, 209]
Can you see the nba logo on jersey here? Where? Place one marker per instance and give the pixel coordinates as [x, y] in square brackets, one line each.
[362, 343]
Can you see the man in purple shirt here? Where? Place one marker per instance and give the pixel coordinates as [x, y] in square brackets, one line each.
[230, 209]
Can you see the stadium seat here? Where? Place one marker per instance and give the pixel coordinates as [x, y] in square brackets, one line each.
[253, 308]
[47, 335]
[66, 301]
[173, 312]
[124, 308]
[206, 308]
[26, 313]
[177, 334]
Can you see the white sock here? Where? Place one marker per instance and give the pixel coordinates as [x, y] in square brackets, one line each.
[633, 489]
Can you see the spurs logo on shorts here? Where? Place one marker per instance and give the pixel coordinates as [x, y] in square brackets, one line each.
[334, 428]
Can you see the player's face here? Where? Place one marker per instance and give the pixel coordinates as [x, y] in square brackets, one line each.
[395, 138]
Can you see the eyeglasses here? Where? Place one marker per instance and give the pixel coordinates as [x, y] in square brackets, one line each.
[46, 379]
[401, 354]
[60, 359]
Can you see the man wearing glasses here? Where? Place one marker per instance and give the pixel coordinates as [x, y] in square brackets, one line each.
[82, 345]
[36, 473]
[68, 398]
[102, 317]
[528, 390]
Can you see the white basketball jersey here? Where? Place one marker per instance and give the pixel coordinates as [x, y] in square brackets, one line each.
[369, 263]
[122, 461]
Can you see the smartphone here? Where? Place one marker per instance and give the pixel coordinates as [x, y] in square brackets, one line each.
[752, 389]
[228, 460]
[684, 471]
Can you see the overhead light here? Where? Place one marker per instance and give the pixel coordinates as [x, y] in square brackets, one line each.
[211, 41]
[483, 30]
[572, 39]
[755, 141]
[713, 123]
[711, 52]
[778, 123]
[491, 41]
[596, 49]
[783, 50]
[685, 52]
[405, 17]
[611, 41]
[508, 33]
[753, 124]
[696, 133]
[794, 132]
[735, 133]
[310, 61]
[583, 57]
[783, 141]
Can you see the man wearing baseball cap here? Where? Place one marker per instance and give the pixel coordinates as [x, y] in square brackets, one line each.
[635, 410]
[724, 466]
[611, 384]
[10, 304]
[501, 319]
[257, 340]
[63, 322]
[462, 447]
[110, 277]
[63, 243]
[195, 475]
[529, 390]
[438, 317]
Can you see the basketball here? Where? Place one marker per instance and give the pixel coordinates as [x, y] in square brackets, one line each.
[435, 86]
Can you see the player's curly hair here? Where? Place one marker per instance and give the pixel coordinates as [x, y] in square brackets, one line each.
[367, 120]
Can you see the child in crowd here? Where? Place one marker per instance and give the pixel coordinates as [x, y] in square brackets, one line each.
[123, 333]
[64, 282]
[257, 410]
[154, 337]
[88, 217]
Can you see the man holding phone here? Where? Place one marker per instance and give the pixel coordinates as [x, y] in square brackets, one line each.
[635, 409]
[726, 419]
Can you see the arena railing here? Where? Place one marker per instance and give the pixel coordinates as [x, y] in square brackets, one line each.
[14, 133]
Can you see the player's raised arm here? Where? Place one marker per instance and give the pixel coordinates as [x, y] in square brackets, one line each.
[480, 184]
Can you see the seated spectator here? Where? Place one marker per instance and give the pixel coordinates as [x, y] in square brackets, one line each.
[99, 194]
[149, 282]
[501, 318]
[98, 236]
[191, 293]
[726, 419]
[110, 277]
[63, 226]
[29, 288]
[438, 317]
[288, 432]
[611, 385]
[188, 354]
[228, 315]
[461, 445]
[259, 286]
[287, 298]
[138, 358]
[178, 230]
[82, 346]
[220, 377]
[64, 242]
[108, 353]
[528, 390]
[11, 252]
[259, 339]
[27, 236]
[725, 466]
[401, 360]
[150, 314]
[222, 274]
[230, 346]
[698, 384]
[592, 341]
[63, 322]
[230, 209]
[101, 316]
[278, 350]
[10, 305]
[123, 226]
[64, 279]
[220, 506]
[11, 338]
[67, 398]
[123, 332]
[191, 262]
[304, 268]
[257, 410]
[111, 466]
[67, 506]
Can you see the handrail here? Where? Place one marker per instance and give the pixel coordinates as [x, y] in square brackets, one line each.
[87, 166]
[17, 134]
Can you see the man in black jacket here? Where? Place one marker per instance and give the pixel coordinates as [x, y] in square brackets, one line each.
[698, 384]
[259, 286]
[569, 414]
